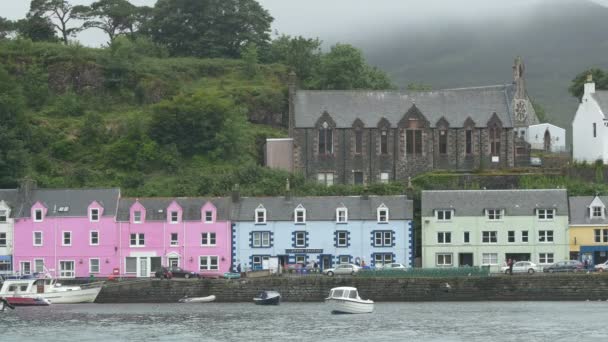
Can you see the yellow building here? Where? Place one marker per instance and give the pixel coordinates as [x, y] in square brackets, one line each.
[588, 229]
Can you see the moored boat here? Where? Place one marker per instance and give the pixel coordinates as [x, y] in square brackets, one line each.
[346, 300]
[27, 301]
[197, 299]
[48, 289]
[267, 298]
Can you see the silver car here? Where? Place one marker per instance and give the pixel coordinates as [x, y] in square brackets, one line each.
[522, 267]
[342, 269]
[603, 267]
[394, 266]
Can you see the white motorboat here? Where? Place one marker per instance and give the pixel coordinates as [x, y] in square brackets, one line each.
[346, 300]
[49, 289]
[197, 299]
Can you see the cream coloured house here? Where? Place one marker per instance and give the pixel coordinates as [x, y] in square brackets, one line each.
[487, 227]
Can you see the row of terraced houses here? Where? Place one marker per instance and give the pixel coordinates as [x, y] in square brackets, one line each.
[82, 232]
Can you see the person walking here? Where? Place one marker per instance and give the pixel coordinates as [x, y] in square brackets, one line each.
[510, 264]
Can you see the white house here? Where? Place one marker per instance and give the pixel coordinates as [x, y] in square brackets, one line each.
[546, 137]
[7, 201]
[590, 126]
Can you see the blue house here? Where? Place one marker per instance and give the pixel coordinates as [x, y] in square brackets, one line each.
[327, 230]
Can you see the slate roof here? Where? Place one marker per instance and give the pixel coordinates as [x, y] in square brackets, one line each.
[345, 106]
[324, 208]
[11, 197]
[514, 202]
[601, 97]
[156, 208]
[579, 212]
[77, 201]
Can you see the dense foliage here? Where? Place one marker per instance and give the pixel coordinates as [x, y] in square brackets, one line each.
[599, 76]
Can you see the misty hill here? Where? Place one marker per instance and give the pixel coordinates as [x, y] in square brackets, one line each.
[557, 39]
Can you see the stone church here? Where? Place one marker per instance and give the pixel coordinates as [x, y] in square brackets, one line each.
[364, 136]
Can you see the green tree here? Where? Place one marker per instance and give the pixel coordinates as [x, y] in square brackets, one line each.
[209, 28]
[418, 87]
[600, 78]
[59, 10]
[6, 27]
[36, 28]
[301, 54]
[344, 67]
[250, 57]
[114, 17]
[205, 123]
[540, 112]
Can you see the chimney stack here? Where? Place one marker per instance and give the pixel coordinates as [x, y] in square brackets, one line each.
[589, 86]
[292, 80]
[27, 186]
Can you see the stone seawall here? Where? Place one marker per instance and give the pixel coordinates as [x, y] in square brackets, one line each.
[315, 289]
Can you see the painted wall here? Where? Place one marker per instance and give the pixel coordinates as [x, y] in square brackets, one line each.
[321, 235]
[535, 135]
[477, 224]
[586, 147]
[6, 231]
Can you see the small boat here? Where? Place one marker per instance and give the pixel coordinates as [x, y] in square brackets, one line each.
[26, 301]
[346, 300]
[232, 275]
[267, 298]
[48, 289]
[207, 299]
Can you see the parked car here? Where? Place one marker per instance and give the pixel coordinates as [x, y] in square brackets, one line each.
[603, 267]
[342, 269]
[394, 266]
[522, 267]
[565, 266]
[177, 272]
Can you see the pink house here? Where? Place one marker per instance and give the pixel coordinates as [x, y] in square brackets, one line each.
[192, 233]
[67, 233]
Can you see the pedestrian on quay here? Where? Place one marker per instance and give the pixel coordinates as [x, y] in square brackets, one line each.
[510, 264]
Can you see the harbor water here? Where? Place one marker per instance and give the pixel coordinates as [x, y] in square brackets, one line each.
[429, 321]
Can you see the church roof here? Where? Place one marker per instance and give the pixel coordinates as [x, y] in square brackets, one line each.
[601, 97]
[456, 105]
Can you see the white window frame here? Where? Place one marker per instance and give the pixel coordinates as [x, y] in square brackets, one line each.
[4, 213]
[345, 238]
[383, 236]
[546, 258]
[174, 242]
[490, 234]
[382, 214]
[67, 274]
[384, 177]
[544, 235]
[344, 259]
[440, 215]
[263, 239]
[41, 215]
[208, 263]
[545, 214]
[325, 178]
[91, 265]
[91, 238]
[174, 220]
[592, 211]
[299, 215]
[208, 216]
[300, 259]
[135, 214]
[494, 214]
[94, 212]
[41, 238]
[442, 238]
[63, 238]
[526, 238]
[489, 258]
[3, 236]
[442, 257]
[36, 268]
[341, 215]
[383, 259]
[209, 236]
[303, 238]
[22, 267]
[140, 240]
[260, 219]
[514, 236]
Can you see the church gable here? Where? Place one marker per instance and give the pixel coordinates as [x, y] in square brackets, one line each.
[494, 121]
[413, 118]
[469, 123]
[384, 124]
[442, 123]
[325, 121]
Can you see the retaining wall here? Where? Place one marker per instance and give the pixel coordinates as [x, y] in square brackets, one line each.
[315, 289]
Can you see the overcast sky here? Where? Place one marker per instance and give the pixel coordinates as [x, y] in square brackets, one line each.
[343, 20]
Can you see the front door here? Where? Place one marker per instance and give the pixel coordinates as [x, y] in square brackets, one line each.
[325, 262]
[173, 262]
[143, 267]
[465, 259]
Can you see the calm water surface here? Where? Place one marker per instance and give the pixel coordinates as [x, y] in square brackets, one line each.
[468, 321]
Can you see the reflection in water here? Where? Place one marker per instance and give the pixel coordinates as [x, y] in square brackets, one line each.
[471, 321]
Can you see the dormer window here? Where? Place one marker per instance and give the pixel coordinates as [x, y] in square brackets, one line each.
[174, 216]
[494, 214]
[597, 212]
[444, 215]
[208, 216]
[260, 215]
[546, 214]
[94, 215]
[137, 216]
[341, 215]
[382, 214]
[300, 214]
[3, 216]
[38, 215]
